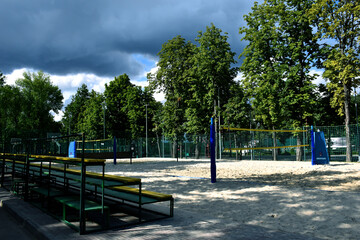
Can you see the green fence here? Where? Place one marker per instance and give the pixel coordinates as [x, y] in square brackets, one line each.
[335, 136]
[198, 146]
[336, 141]
[163, 147]
[261, 144]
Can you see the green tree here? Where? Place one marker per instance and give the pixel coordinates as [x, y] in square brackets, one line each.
[237, 109]
[39, 98]
[214, 74]
[195, 80]
[134, 107]
[277, 63]
[157, 127]
[115, 98]
[91, 118]
[261, 67]
[2, 112]
[126, 108]
[10, 110]
[2, 79]
[13, 110]
[172, 78]
[73, 111]
[339, 21]
[324, 114]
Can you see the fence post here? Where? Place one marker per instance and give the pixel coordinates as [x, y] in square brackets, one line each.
[329, 144]
[3, 165]
[82, 189]
[304, 139]
[312, 146]
[115, 149]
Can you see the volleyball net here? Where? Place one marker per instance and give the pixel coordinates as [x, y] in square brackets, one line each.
[96, 146]
[263, 143]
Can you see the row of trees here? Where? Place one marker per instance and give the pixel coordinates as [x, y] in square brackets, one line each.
[285, 41]
[26, 107]
[121, 111]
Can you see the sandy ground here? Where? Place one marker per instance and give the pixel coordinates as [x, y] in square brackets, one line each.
[321, 201]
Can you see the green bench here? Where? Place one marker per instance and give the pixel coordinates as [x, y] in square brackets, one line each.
[66, 182]
[73, 201]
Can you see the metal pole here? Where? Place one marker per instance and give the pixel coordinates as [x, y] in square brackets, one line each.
[103, 104]
[252, 137]
[357, 128]
[163, 145]
[82, 188]
[219, 125]
[146, 126]
[3, 165]
[304, 139]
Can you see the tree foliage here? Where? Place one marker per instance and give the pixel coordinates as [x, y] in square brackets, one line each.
[115, 99]
[237, 109]
[10, 111]
[26, 108]
[2, 79]
[39, 98]
[339, 21]
[126, 108]
[72, 114]
[194, 78]
[277, 62]
[91, 118]
[213, 76]
[173, 79]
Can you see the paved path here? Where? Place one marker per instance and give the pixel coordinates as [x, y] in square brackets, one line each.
[184, 225]
[11, 229]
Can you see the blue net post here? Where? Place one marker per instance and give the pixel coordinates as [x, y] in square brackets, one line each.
[312, 146]
[212, 151]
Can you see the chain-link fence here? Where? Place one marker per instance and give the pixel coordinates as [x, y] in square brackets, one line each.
[336, 141]
[262, 145]
[162, 147]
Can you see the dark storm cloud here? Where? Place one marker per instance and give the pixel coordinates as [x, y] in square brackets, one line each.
[101, 37]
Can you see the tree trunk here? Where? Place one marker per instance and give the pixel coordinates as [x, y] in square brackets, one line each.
[347, 122]
[158, 144]
[298, 149]
[180, 153]
[197, 150]
[275, 149]
[174, 149]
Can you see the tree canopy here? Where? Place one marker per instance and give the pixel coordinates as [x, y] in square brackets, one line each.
[28, 107]
[339, 21]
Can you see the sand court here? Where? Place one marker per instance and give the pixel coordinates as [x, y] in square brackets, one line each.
[321, 201]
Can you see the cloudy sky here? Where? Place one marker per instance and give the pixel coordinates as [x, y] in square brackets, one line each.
[82, 41]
